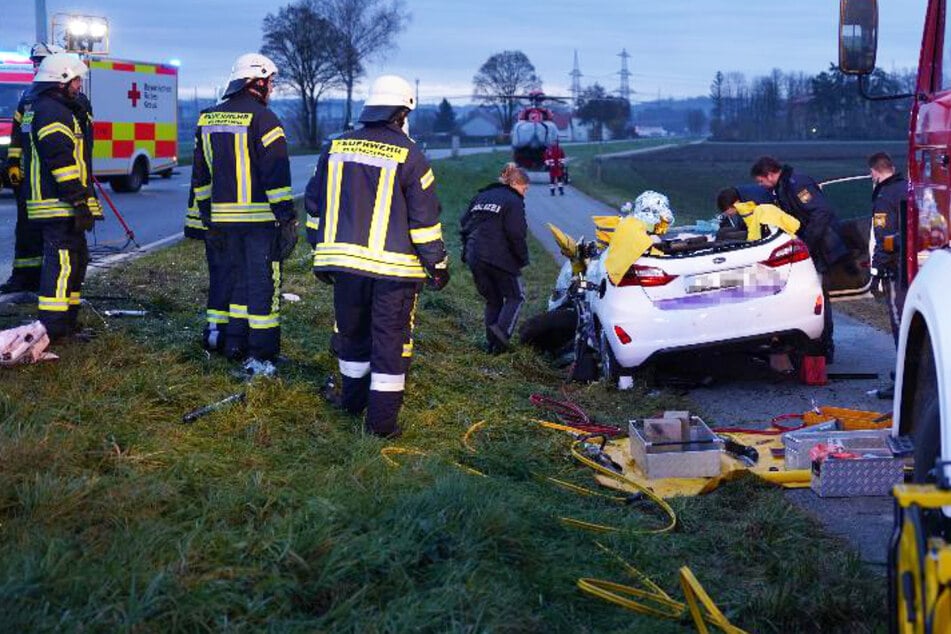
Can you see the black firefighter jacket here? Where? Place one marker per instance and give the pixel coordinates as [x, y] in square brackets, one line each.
[800, 196]
[56, 141]
[241, 173]
[494, 229]
[372, 207]
[886, 207]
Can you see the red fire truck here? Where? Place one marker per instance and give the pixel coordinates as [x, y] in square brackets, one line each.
[16, 73]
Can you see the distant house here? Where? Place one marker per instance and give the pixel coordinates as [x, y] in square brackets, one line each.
[480, 123]
[651, 130]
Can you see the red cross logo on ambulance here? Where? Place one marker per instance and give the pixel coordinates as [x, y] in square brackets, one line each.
[134, 95]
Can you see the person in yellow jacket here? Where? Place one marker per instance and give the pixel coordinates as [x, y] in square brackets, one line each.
[633, 232]
[755, 215]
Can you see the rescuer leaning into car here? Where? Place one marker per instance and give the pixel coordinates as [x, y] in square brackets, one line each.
[754, 215]
[493, 232]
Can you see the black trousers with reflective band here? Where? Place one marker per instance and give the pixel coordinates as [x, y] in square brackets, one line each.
[65, 258]
[219, 294]
[373, 341]
[503, 295]
[27, 247]
[254, 319]
[895, 301]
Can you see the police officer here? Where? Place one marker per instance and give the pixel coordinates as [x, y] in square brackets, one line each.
[56, 136]
[28, 238]
[374, 225]
[890, 190]
[242, 181]
[219, 282]
[800, 196]
[494, 246]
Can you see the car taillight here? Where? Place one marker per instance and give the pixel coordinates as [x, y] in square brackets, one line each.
[622, 335]
[794, 251]
[639, 275]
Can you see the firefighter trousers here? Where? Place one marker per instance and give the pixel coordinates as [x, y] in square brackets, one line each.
[504, 295]
[65, 258]
[895, 301]
[254, 308]
[373, 340]
[27, 250]
[219, 292]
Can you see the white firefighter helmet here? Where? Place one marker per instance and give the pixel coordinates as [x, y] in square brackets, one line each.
[388, 94]
[60, 69]
[42, 50]
[246, 68]
[653, 209]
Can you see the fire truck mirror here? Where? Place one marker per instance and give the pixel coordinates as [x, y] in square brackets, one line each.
[858, 36]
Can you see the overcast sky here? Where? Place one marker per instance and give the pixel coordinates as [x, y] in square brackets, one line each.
[676, 46]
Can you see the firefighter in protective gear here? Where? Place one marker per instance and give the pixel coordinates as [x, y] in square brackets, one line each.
[219, 283]
[493, 233]
[800, 196]
[56, 137]
[555, 162]
[639, 227]
[753, 216]
[374, 225]
[242, 183]
[28, 238]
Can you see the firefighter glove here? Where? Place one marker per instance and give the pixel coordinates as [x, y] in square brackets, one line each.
[14, 174]
[287, 238]
[83, 219]
[325, 276]
[439, 276]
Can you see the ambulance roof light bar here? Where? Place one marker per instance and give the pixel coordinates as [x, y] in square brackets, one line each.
[83, 34]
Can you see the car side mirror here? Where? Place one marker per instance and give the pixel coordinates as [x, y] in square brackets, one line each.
[858, 36]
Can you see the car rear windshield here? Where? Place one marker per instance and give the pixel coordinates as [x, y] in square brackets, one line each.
[9, 97]
[702, 245]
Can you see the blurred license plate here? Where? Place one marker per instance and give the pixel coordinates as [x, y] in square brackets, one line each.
[717, 280]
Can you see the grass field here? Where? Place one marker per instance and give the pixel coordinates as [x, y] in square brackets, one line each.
[693, 174]
[279, 515]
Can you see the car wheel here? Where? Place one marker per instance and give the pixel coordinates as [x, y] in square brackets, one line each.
[925, 412]
[609, 366]
[140, 173]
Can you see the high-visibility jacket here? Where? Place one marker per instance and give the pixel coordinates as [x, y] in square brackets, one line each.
[194, 227]
[241, 172]
[15, 150]
[372, 207]
[56, 137]
[755, 216]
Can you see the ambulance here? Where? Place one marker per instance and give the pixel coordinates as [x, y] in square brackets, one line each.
[135, 106]
[16, 73]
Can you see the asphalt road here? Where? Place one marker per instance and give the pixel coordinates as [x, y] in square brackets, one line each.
[744, 392]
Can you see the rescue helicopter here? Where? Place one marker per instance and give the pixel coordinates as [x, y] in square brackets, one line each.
[534, 129]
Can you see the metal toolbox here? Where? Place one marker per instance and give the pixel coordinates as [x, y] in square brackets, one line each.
[798, 443]
[675, 446]
[834, 477]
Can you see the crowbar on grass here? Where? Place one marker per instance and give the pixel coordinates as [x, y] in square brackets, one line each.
[195, 414]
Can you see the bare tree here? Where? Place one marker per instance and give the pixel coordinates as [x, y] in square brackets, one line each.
[366, 29]
[303, 45]
[500, 79]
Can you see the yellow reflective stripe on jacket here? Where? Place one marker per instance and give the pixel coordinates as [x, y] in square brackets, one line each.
[225, 119]
[363, 259]
[426, 234]
[279, 194]
[238, 311]
[68, 173]
[263, 322]
[313, 223]
[14, 152]
[242, 168]
[27, 263]
[272, 136]
[74, 298]
[53, 128]
[334, 181]
[373, 149]
[193, 222]
[203, 192]
[381, 209]
[236, 212]
[213, 316]
[427, 179]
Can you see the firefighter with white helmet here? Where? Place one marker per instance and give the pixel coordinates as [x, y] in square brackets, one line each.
[242, 186]
[28, 238]
[56, 136]
[374, 225]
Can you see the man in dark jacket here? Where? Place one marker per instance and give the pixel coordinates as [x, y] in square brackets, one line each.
[890, 190]
[241, 177]
[56, 137]
[800, 196]
[373, 221]
[494, 246]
